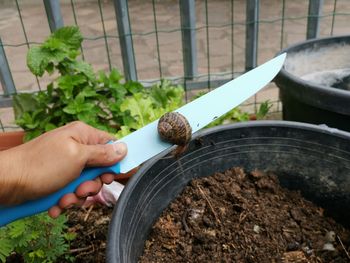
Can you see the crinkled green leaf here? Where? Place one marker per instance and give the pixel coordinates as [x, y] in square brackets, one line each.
[69, 35]
[167, 96]
[130, 121]
[140, 108]
[54, 45]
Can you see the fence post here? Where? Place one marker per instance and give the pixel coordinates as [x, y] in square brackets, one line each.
[313, 20]
[189, 48]
[53, 12]
[5, 73]
[125, 39]
[252, 29]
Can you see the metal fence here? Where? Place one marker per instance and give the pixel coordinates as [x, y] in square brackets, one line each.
[197, 43]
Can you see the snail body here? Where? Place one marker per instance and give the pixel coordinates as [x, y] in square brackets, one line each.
[173, 127]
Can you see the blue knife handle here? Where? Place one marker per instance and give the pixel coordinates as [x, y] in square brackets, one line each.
[9, 214]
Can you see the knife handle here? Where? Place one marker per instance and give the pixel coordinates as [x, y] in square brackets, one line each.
[9, 214]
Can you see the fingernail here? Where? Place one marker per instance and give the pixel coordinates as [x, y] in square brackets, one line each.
[120, 148]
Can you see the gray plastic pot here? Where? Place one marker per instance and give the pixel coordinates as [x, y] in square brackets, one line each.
[313, 159]
[315, 101]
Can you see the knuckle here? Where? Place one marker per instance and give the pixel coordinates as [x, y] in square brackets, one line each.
[72, 150]
[77, 125]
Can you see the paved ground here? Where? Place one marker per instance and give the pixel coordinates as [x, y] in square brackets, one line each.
[168, 23]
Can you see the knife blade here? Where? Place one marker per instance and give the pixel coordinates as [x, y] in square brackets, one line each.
[145, 143]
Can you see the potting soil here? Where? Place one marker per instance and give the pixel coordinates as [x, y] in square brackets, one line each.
[239, 217]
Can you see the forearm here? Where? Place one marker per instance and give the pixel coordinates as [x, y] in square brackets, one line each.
[11, 171]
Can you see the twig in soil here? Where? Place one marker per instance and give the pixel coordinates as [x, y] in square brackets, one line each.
[341, 243]
[88, 213]
[187, 229]
[78, 250]
[209, 203]
[242, 216]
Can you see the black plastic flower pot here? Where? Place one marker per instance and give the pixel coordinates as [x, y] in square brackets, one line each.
[310, 158]
[315, 82]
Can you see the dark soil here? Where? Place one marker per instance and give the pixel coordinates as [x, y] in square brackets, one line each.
[238, 217]
[91, 227]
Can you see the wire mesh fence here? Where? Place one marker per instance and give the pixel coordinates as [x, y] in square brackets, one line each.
[199, 44]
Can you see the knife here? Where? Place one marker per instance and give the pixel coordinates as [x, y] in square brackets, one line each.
[146, 143]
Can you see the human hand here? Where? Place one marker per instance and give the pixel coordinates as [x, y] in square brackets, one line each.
[49, 162]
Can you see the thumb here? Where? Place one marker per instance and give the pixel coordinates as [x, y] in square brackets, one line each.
[104, 155]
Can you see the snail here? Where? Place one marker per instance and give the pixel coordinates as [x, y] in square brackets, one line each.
[173, 127]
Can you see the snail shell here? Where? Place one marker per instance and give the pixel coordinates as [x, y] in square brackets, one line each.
[173, 127]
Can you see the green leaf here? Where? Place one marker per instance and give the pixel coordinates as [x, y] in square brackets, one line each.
[134, 87]
[115, 76]
[69, 35]
[79, 105]
[6, 247]
[37, 60]
[17, 228]
[70, 236]
[67, 84]
[88, 92]
[88, 117]
[28, 121]
[263, 109]
[140, 108]
[49, 127]
[85, 68]
[24, 102]
[49, 90]
[30, 135]
[54, 45]
[37, 254]
[130, 121]
[167, 96]
[124, 130]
